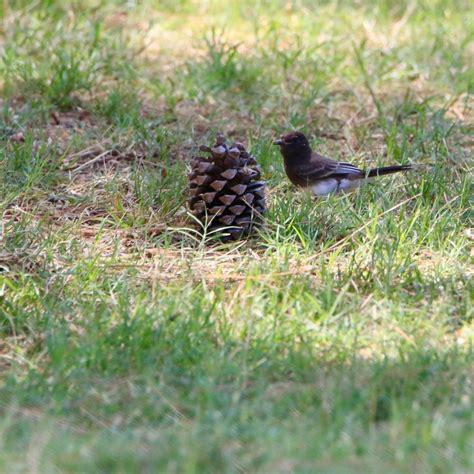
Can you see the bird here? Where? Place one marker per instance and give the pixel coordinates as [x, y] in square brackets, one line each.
[324, 176]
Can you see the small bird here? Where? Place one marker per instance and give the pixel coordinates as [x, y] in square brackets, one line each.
[322, 175]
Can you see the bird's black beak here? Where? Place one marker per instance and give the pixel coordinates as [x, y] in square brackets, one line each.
[278, 142]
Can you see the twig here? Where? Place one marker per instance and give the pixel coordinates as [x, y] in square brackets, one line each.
[80, 154]
[91, 162]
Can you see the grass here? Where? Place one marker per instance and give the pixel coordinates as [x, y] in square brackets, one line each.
[338, 339]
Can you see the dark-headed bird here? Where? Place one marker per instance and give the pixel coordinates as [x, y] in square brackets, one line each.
[322, 175]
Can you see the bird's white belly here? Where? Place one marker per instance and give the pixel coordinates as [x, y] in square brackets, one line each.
[324, 187]
[331, 185]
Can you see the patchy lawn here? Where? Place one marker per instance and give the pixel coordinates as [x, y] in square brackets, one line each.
[338, 339]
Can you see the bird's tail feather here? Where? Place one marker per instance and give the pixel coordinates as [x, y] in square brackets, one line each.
[387, 170]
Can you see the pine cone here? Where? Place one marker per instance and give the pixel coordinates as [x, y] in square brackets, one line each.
[225, 189]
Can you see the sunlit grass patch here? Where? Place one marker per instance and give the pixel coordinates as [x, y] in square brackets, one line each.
[337, 338]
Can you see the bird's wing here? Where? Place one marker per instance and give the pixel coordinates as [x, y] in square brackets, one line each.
[347, 168]
[321, 167]
[310, 172]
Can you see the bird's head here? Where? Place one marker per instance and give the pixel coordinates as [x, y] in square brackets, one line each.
[293, 144]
